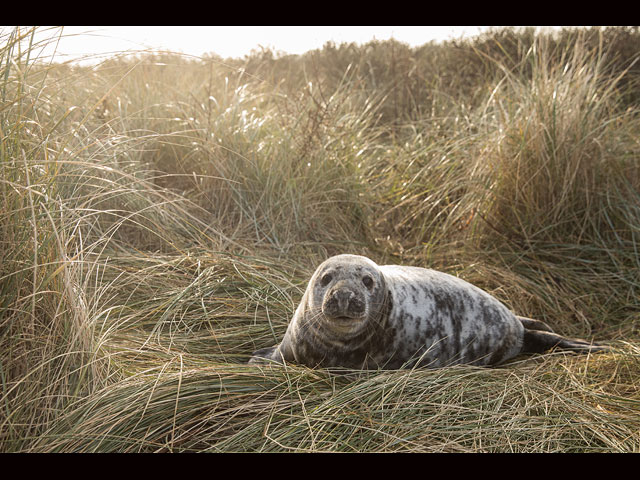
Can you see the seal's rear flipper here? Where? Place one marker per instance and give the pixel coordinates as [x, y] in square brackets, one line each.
[531, 324]
[537, 341]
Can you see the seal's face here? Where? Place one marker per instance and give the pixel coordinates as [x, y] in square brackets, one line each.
[348, 290]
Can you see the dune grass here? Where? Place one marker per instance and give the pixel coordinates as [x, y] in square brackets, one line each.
[161, 216]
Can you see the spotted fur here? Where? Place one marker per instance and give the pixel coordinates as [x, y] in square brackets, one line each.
[356, 314]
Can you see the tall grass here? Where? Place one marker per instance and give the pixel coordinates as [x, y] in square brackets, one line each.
[161, 216]
[564, 180]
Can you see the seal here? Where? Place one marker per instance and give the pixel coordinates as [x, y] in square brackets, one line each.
[359, 315]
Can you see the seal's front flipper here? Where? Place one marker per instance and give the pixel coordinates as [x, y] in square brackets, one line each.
[537, 341]
[266, 355]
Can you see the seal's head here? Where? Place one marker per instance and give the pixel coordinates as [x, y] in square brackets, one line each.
[349, 291]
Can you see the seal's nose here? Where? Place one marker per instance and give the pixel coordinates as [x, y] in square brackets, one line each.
[343, 302]
[343, 296]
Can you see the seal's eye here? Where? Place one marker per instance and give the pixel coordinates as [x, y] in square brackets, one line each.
[368, 281]
[326, 278]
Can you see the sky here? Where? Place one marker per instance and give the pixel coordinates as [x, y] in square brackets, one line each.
[237, 41]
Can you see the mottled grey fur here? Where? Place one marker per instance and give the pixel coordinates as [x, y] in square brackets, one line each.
[356, 314]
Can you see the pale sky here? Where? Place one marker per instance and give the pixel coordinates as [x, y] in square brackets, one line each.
[95, 43]
[237, 41]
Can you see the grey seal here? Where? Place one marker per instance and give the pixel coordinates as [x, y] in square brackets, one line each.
[359, 315]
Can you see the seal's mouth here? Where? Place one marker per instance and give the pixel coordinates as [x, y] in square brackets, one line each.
[344, 324]
[355, 309]
[345, 318]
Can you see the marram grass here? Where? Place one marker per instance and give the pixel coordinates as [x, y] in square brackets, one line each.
[160, 217]
[548, 405]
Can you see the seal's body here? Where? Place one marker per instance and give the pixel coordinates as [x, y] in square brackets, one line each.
[356, 314]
